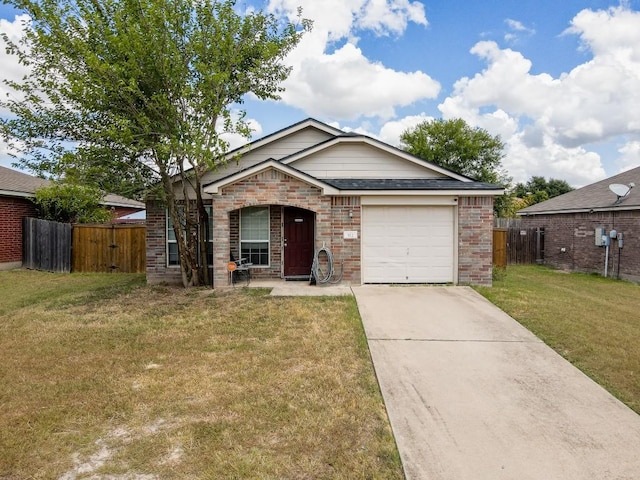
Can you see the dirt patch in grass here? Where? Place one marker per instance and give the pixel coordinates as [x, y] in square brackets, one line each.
[590, 320]
[105, 378]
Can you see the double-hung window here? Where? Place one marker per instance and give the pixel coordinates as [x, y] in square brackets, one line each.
[173, 259]
[254, 235]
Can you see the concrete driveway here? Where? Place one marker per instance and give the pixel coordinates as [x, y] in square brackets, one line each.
[471, 394]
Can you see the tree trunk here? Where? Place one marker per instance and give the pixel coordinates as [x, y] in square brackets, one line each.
[203, 232]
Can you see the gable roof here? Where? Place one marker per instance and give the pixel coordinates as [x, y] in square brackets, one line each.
[291, 129]
[17, 184]
[351, 186]
[215, 187]
[595, 197]
[451, 183]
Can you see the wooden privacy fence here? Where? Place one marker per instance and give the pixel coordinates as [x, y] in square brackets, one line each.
[46, 245]
[518, 246]
[500, 247]
[60, 247]
[109, 248]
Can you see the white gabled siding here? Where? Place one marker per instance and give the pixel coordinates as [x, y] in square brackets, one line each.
[278, 149]
[357, 160]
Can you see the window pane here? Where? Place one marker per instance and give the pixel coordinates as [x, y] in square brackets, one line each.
[254, 223]
[173, 253]
[255, 252]
[172, 248]
[210, 253]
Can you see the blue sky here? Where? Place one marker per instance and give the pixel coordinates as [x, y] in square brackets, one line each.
[559, 81]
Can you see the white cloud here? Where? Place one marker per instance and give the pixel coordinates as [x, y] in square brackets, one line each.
[236, 140]
[548, 123]
[629, 155]
[11, 68]
[517, 30]
[390, 16]
[516, 25]
[343, 83]
[391, 131]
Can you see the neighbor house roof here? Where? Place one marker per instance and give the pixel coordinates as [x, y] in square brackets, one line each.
[596, 197]
[17, 184]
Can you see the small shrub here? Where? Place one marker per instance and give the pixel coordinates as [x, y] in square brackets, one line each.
[498, 273]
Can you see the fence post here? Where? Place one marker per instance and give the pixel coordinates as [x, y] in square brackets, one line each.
[539, 233]
[500, 247]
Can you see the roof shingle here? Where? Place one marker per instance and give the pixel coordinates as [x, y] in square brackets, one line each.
[596, 196]
[17, 184]
[408, 184]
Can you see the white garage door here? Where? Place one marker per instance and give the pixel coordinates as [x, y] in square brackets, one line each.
[407, 244]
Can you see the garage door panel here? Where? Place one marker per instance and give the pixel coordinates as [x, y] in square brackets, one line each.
[387, 272]
[412, 244]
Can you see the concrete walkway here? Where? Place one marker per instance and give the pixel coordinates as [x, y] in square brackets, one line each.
[471, 394]
[280, 288]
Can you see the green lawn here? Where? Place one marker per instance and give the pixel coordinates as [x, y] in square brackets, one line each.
[593, 322]
[104, 377]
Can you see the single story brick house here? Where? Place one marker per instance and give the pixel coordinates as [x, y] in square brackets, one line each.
[386, 216]
[570, 222]
[16, 191]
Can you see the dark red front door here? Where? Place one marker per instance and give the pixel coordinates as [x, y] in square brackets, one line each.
[298, 241]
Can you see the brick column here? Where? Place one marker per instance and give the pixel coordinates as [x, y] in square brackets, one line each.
[475, 240]
[221, 243]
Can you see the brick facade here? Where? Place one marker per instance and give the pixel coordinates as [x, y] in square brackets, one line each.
[475, 240]
[333, 216]
[157, 269]
[268, 188]
[569, 242]
[12, 211]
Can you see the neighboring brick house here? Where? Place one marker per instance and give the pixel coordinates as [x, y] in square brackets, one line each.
[16, 191]
[570, 222]
[387, 216]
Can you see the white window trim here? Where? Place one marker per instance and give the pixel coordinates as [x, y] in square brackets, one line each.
[168, 241]
[240, 240]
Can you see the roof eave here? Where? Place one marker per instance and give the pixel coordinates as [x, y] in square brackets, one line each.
[122, 205]
[454, 192]
[580, 210]
[13, 193]
[296, 127]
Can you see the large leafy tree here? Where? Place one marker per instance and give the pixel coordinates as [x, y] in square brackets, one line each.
[457, 146]
[143, 87]
[539, 189]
